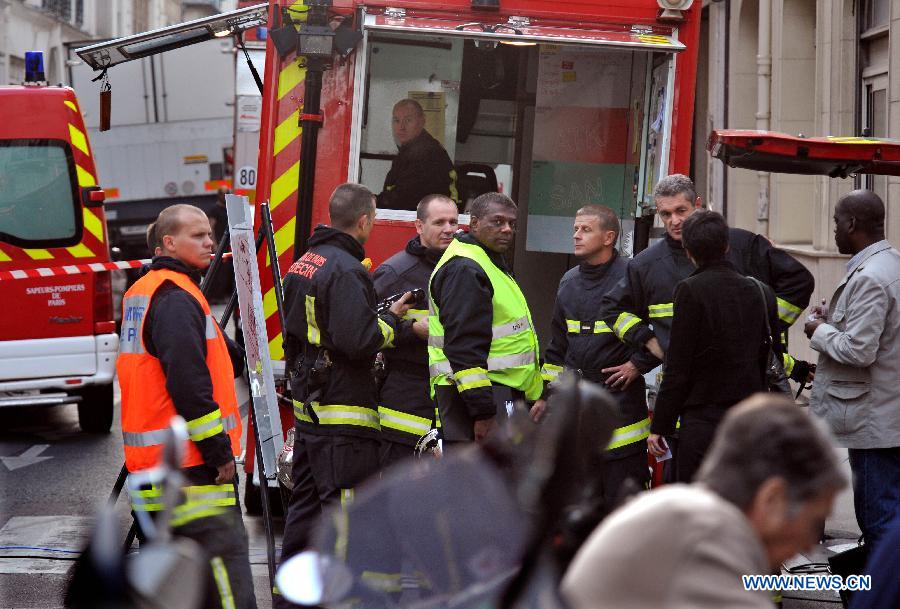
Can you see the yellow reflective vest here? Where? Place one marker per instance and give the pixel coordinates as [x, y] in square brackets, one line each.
[513, 359]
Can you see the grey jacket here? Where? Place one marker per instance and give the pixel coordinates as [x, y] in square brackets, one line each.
[677, 547]
[855, 390]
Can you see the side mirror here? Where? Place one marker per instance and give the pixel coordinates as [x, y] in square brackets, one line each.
[93, 196]
[168, 575]
[310, 579]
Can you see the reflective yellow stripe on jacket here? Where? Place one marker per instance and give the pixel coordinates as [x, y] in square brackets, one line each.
[403, 421]
[549, 372]
[337, 414]
[574, 326]
[787, 312]
[665, 309]
[629, 434]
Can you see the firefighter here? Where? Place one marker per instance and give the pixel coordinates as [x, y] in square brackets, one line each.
[421, 167]
[639, 309]
[482, 347]
[581, 341]
[174, 359]
[404, 407]
[332, 336]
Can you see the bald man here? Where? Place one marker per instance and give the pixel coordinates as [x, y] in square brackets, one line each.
[421, 167]
[858, 340]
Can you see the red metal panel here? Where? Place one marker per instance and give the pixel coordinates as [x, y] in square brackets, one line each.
[587, 11]
[779, 152]
[615, 17]
[685, 92]
[543, 30]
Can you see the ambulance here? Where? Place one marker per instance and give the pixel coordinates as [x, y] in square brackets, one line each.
[58, 340]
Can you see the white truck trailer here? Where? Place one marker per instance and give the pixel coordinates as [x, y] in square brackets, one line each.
[172, 135]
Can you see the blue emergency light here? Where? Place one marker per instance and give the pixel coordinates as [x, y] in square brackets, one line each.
[34, 66]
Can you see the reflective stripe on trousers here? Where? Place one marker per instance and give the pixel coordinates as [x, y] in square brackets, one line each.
[223, 582]
[200, 501]
[147, 500]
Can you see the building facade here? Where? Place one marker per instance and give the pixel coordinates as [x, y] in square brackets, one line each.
[811, 67]
[51, 26]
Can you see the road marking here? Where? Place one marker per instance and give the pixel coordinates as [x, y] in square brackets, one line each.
[52, 434]
[29, 457]
[51, 532]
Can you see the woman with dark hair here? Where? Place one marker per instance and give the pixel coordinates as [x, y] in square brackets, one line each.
[719, 345]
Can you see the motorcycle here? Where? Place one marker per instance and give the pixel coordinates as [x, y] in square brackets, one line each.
[488, 527]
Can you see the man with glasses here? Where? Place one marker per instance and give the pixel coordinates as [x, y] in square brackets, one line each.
[482, 348]
[422, 166]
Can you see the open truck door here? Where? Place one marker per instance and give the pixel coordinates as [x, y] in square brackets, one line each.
[836, 157]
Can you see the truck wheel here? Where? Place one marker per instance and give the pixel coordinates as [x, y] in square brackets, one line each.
[252, 499]
[95, 410]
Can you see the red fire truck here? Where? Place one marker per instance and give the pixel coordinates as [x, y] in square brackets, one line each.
[556, 104]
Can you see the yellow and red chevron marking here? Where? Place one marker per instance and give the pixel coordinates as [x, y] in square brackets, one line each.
[280, 170]
[93, 242]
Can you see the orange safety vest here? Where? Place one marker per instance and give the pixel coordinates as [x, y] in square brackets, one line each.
[147, 407]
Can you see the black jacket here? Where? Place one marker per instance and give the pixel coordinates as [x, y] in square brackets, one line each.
[580, 340]
[593, 346]
[175, 333]
[719, 345]
[463, 294]
[405, 387]
[422, 167]
[648, 288]
[330, 281]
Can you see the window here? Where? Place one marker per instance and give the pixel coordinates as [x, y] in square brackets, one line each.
[875, 14]
[62, 9]
[875, 124]
[874, 56]
[38, 194]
